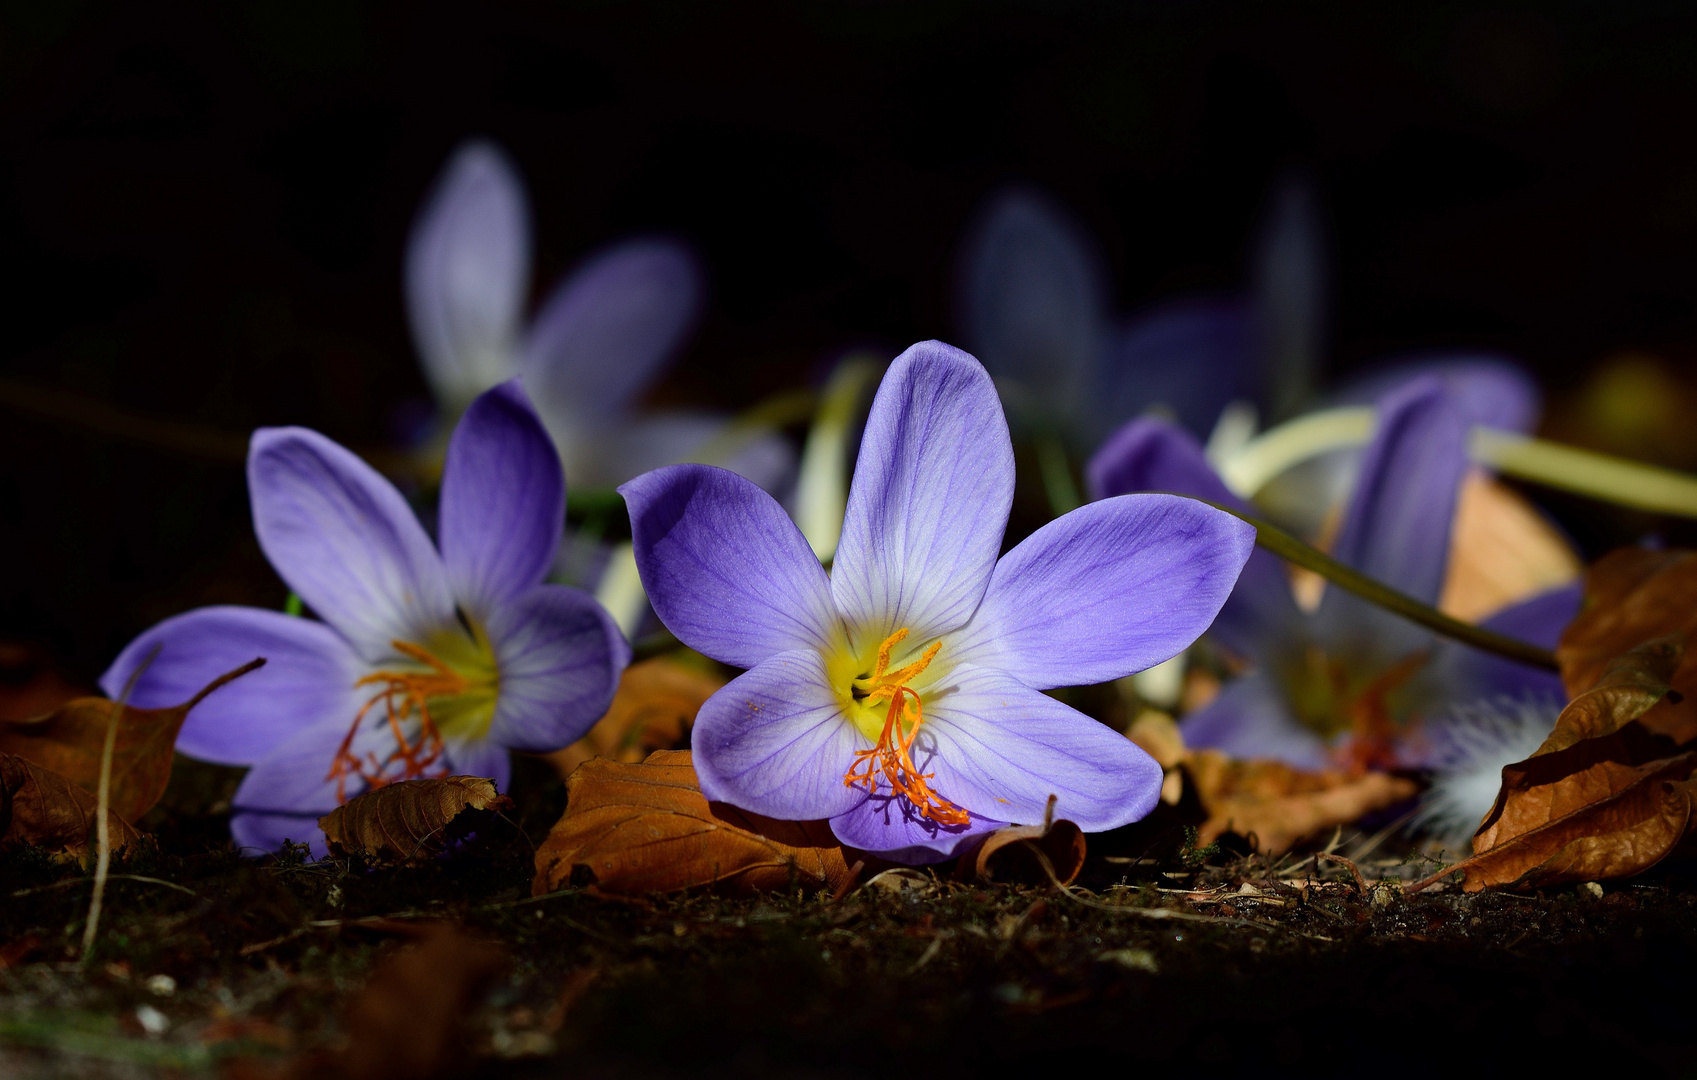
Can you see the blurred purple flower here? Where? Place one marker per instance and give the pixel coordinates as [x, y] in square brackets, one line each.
[430, 660]
[1348, 677]
[597, 343]
[898, 696]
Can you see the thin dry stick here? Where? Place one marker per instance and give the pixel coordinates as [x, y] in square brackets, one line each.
[103, 803]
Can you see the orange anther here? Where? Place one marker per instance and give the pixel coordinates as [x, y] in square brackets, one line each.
[403, 694]
[892, 755]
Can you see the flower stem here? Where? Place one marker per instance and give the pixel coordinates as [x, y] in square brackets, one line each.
[1291, 549]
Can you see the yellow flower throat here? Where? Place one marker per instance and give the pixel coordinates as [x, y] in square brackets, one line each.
[449, 693]
[891, 756]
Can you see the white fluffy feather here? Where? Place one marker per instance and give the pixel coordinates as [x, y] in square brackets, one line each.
[1470, 749]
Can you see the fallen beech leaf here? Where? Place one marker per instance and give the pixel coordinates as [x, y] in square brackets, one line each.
[636, 828]
[1280, 805]
[1603, 797]
[1276, 803]
[69, 741]
[40, 807]
[1010, 855]
[406, 820]
[653, 709]
[1632, 596]
[1502, 551]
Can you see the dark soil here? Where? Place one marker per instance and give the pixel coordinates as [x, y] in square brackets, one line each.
[1207, 961]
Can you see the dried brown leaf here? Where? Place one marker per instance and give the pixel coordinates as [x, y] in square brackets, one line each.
[1502, 551]
[1011, 855]
[40, 807]
[653, 709]
[1281, 805]
[70, 739]
[407, 820]
[1602, 797]
[1633, 596]
[1277, 804]
[638, 828]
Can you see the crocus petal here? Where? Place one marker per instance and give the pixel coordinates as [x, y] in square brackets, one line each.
[503, 505]
[308, 677]
[261, 834]
[605, 332]
[467, 272]
[1192, 356]
[725, 568]
[1111, 588]
[888, 827]
[559, 655]
[999, 748]
[1033, 299]
[481, 758]
[1493, 391]
[929, 501]
[1249, 719]
[289, 787]
[1466, 673]
[775, 741]
[1397, 525]
[345, 541]
[1151, 454]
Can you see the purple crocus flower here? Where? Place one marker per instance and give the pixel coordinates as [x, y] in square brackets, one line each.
[599, 340]
[1348, 678]
[899, 696]
[431, 658]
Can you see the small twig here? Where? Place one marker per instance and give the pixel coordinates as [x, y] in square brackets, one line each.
[848, 881]
[71, 882]
[1360, 882]
[931, 950]
[103, 804]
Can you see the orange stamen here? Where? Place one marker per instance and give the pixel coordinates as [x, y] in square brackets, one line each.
[403, 694]
[892, 756]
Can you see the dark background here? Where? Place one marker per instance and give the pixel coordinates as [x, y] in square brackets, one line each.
[203, 208]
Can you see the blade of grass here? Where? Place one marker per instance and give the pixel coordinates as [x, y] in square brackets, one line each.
[103, 803]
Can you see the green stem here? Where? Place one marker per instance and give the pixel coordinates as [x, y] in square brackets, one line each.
[1289, 548]
[1057, 474]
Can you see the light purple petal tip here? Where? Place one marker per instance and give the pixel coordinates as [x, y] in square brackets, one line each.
[610, 327]
[1396, 527]
[1151, 454]
[725, 568]
[468, 271]
[775, 741]
[560, 655]
[1493, 391]
[503, 504]
[1193, 356]
[929, 501]
[308, 678]
[1111, 588]
[345, 541]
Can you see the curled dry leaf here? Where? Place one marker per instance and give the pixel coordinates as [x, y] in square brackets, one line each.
[653, 709]
[1604, 797]
[1632, 596]
[1026, 855]
[70, 739]
[1272, 801]
[637, 828]
[406, 820]
[40, 807]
